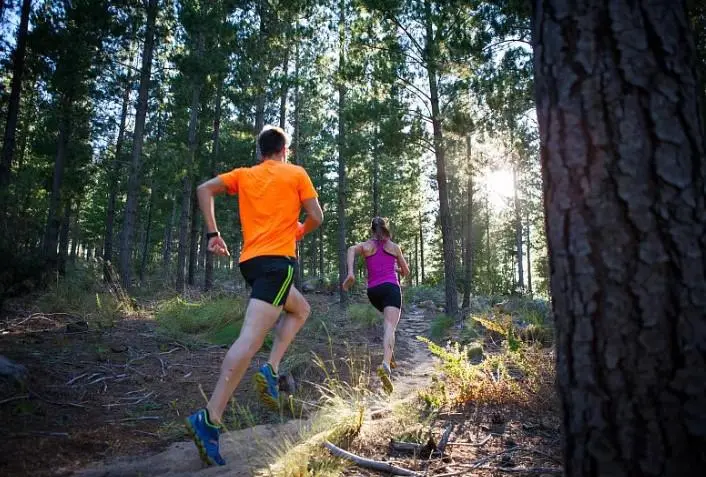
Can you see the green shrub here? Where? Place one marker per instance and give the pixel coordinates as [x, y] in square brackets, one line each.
[364, 315]
[440, 326]
[420, 293]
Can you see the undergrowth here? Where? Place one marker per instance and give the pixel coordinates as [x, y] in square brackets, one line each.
[364, 315]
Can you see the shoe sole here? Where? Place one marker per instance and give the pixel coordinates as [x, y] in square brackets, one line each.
[386, 381]
[199, 445]
[261, 385]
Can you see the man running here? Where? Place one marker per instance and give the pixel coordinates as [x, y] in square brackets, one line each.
[381, 257]
[270, 197]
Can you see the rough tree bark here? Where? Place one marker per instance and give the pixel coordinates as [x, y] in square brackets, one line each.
[421, 246]
[13, 106]
[208, 274]
[529, 258]
[53, 216]
[447, 229]
[133, 183]
[622, 152]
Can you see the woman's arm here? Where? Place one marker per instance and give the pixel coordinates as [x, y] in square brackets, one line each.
[404, 268]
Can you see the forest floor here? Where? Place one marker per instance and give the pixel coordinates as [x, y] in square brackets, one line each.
[110, 401]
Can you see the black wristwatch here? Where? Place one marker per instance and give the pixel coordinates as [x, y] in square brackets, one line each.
[210, 235]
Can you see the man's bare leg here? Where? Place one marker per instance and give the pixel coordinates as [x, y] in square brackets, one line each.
[260, 317]
[297, 311]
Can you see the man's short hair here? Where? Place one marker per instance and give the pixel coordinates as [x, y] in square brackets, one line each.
[272, 140]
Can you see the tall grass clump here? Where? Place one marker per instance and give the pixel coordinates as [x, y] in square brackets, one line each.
[216, 320]
[364, 315]
[440, 326]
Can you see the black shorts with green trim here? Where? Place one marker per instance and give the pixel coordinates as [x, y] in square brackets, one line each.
[270, 277]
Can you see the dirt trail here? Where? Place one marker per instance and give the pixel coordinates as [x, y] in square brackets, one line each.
[246, 450]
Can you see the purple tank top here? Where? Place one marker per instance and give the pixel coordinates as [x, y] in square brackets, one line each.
[381, 266]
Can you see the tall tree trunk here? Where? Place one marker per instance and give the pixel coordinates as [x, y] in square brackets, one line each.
[187, 189]
[194, 240]
[342, 153]
[113, 175]
[529, 259]
[133, 183]
[622, 152]
[167, 246]
[421, 246]
[468, 259]
[53, 217]
[215, 156]
[518, 231]
[447, 229]
[285, 88]
[13, 106]
[376, 176]
[488, 251]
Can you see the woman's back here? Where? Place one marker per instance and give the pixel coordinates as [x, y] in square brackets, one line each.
[381, 265]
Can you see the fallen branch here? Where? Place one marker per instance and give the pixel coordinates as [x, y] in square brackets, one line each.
[444, 439]
[480, 443]
[73, 380]
[524, 470]
[14, 398]
[56, 403]
[141, 418]
[368, 463]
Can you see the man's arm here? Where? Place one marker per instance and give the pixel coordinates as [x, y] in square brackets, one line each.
[205, 193]
[314, 216]
[404, 268]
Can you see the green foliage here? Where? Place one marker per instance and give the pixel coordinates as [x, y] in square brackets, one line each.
[420, 293]
[364, 315]
[440, 326]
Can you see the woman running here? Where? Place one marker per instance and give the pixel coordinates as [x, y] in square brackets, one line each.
[381, 257]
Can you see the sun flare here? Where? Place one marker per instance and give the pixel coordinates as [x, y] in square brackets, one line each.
[500, 187]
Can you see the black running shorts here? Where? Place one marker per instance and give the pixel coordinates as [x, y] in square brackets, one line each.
[270, 277]
[385, 294]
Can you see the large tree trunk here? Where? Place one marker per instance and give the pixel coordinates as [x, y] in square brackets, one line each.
[13, 106]
[53, 216]
[622, 151]
[341, 193]
[447, 229]
[148, 230]
[75, 232]
[113, 175]
[416, 260]
[518, 232]
[187, 183]
[64, 237]
[133, 183]
[468, 258]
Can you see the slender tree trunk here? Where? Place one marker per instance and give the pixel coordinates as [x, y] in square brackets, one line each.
[167, 246]
[13, 106]
[148, 230]
[488, 251]
[468, 259]
[421, 246]
[416, 260]
[529, 259]
[376, 177]
[75, 232]
[342, 153]
[622, 151]
[134, 179]
[194, 239]
[518, 232]
[285, 88]
[64, 237]
[261, 69]
[208, 274]
[115, 172]
[53, 217]
[187, 190]
[447, 229]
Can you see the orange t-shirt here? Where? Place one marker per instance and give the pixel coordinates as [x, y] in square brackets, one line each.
[270, 196]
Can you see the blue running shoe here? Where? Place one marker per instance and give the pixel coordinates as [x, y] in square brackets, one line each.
[267, 386]
[205, 436]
